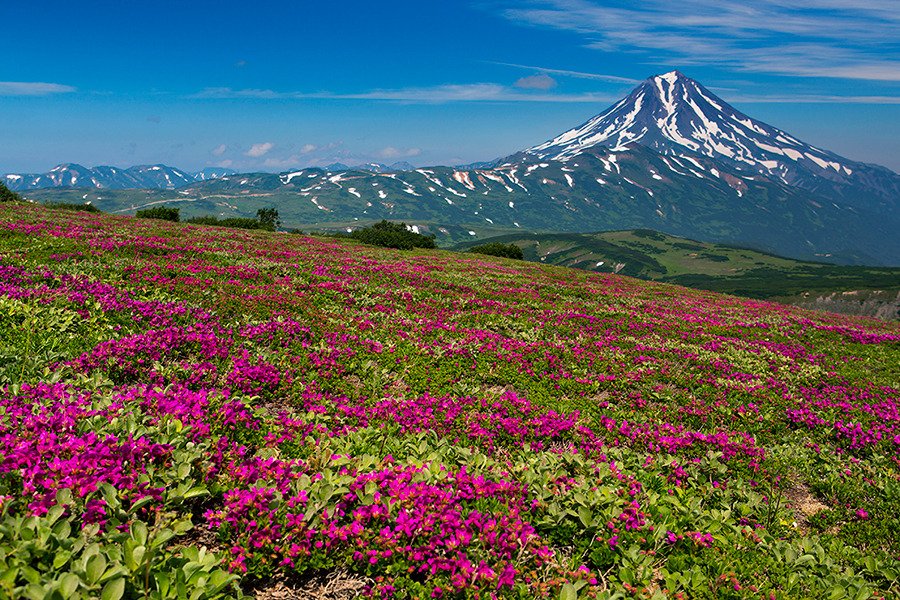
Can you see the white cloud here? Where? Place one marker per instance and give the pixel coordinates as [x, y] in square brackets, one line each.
[225, 163]
[225, 92]
[33, 88]
[219, 150]
[282, 163]
[540, 81]
[575, 74]
[391, 152]
[257, 150]
[847, 39]
[307, 148]
[470, 92]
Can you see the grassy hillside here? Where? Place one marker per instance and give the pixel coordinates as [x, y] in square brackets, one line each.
[716, 267]
[202, 412]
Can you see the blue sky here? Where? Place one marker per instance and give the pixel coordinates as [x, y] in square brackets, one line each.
[273, 85]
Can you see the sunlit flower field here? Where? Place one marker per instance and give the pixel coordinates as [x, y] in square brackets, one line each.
[190, 412]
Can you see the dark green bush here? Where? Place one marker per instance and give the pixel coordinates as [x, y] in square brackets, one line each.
[240, 223]
[233, 222]
[7, 195]
[498, 249]
[392, 235]
[165, 213]
[73, 206]
[204, 220]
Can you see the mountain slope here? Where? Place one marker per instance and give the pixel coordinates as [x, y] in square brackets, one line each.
[105, 177]
[674, 114]
[670, 157]
[600, 190]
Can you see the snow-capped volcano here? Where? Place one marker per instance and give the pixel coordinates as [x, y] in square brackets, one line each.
[673, 114]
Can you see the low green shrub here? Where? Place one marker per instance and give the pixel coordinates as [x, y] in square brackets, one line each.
[266, 219]
[498, 249]
[392, 235]
[233, 222]
[164, 213]
[90, 208]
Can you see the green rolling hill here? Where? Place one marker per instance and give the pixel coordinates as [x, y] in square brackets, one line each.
[656, 256]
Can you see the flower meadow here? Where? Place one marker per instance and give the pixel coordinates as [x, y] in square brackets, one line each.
[195, 412]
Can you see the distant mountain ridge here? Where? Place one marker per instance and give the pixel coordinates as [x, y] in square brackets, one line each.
[106, 177]
[159, 176]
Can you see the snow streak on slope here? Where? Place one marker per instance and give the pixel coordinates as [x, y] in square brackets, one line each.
[673, 114]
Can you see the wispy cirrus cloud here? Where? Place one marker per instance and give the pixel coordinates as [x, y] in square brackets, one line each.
[568, 73]
[812, 99]
[497, 93]
[33, 88]
[471, 92]
[847, 39]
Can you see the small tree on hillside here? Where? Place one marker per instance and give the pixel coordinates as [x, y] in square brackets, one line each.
[268, 218]
[7, 195]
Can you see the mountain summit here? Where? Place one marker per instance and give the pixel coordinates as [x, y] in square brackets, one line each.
[674, 114]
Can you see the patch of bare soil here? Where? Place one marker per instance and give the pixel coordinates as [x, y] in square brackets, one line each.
[202, 536]
[804, 503]
[334, 585]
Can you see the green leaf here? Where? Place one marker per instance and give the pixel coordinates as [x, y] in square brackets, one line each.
[95, 568]
[140, 504]
[61, 559]
[195, 492]
[54, 513]
[35, 592]
[113, 590]
[68, 584]
[139, 533]
[568, 592]
[163, 583]
[586, 516]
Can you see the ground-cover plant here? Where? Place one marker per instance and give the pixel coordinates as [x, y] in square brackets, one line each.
[198, 412]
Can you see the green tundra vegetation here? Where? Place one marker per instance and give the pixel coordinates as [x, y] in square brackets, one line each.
[203, 412]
